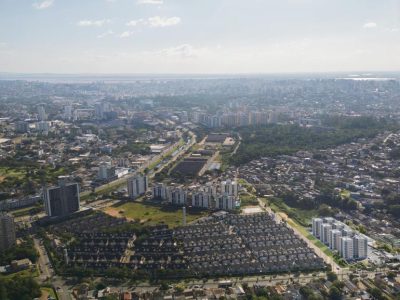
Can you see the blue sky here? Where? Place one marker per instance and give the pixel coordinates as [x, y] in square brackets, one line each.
[199, 36]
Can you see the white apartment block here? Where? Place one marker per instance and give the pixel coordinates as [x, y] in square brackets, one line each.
[159, 191]
[360, 245]
[346, 248]
[137, 186]
[229, 188]
[226, 202]
[316, 227]
[176, 195]
[340, 237]
[201, 199]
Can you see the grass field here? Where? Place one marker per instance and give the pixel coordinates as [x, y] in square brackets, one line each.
[153, 214]
[302, 216]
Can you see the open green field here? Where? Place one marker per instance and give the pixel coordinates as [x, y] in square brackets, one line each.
[302, 216]
[153, 214]
[33, 272]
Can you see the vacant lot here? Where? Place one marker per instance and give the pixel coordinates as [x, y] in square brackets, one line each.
[152, 214]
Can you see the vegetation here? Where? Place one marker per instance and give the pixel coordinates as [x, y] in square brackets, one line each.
[275, 139]
[21, 288]
[150, 213]
[24, 250]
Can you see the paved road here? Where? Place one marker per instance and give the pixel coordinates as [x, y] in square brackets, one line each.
[47, 272]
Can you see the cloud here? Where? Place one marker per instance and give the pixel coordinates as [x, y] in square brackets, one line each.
[370, 25]
[159, 2]
[158, 21]
[104, 34]
[183, 51]
[93, 23]
[135, 22]
[43, 4]
[126, 34]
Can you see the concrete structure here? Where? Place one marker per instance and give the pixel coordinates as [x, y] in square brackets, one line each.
[341, 238]
[176, 195]
[316, 227]
[202, 199]
[229, 188]
[325, 232]
[21, 127]
[63, 199]
[106, 171]
[346, 248]
[137, 186]
[159, 191]
[334, 242]
[7, 231]
[360, 245]
[226, 202]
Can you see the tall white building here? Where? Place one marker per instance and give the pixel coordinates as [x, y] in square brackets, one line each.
[176, 195]
[316, 227]
[334, 242]
[360, 245]
[137, 186]
[68, 112]
[106, 171]
[201, 199]
[229, 188]
[226, 202]
[42, 113]
[325, 232]
[346, 248]
[159, 191]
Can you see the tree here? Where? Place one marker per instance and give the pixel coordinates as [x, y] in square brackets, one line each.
[331, 276]
[334, 293]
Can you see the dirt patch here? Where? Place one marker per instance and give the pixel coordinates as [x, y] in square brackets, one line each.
[116, 213]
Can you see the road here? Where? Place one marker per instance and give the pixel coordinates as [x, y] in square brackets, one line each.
[47, 272]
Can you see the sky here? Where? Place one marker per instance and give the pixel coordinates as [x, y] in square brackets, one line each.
[199, 36]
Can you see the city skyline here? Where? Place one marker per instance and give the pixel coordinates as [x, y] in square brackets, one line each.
[198, 37]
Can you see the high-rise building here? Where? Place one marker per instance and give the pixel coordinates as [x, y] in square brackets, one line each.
[325, 231]
[176, 196]
[201, 199]
[63, 199]
[334, 242]
[229, 188]
[346, 248]
[68, 112]
[7, 231]
[137, 186]
[42, 113]
[106, 171]
[316, 227]
[360, 245]
[226, 202]
[159, 191]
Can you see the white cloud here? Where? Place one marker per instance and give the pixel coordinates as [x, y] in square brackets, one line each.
[104, 34]
[93, 23]
[370, 25]
[158, 21]
[159, 2]
[183, 51]
[126, 34]
[43, 4]
[135, 22]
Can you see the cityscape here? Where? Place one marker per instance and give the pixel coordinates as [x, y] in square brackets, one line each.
[251, 162]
